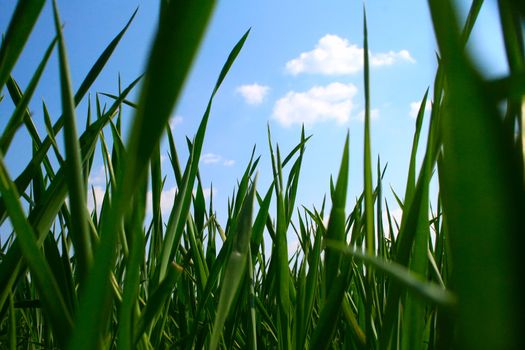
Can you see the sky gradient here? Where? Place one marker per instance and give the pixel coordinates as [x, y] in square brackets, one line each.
[301, 65]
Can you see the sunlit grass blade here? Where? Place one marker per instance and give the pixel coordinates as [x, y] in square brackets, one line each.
[235, 267]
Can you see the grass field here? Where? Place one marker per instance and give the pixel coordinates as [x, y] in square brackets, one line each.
[446, 277]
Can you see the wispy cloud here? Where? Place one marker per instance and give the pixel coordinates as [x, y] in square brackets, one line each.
[253, 94]
[333, 102]
[334, 55]
[414, 108]
[175, 120]
[212, 158]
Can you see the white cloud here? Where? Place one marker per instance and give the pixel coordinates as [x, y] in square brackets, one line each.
[414, 108]
[175, 120]
[334, 55]
[319, 104]
[212, 158]
[390, 57]
[253, 94]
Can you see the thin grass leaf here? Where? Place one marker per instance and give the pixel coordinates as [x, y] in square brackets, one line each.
[18, 115]
[235, 267]
[428, 291]
[80, 236]
[52, 298]
[180, 29]
[20, 27]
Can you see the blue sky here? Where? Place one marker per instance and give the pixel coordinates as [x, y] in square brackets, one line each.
[302, 63]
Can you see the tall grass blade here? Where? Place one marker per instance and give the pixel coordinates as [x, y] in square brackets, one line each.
[80, 236]
[483, 213]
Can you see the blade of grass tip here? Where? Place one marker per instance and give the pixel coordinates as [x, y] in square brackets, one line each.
[411, 180]
[411, 250]
[51, 134]
[369, 201]
[80, 236]
[99, 64]
[312, 285]
[336, 222]
[180, 210]
[20, 27]
[52, 299]
[235, 267]
[484, 213]
[16, 96]
[181, 28]
[336, 276]
[17, 117]
[24, 178]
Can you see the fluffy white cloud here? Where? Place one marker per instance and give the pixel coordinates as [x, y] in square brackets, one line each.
[414, 108]
[253, 94]
[319, 104]
[334, 55]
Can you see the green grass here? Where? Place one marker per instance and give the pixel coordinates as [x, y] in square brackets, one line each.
[450, 277]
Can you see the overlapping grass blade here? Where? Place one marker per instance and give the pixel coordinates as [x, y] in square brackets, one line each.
[75, 179]
[52, 298]
[180, 29]
[474, 142]
[235, 266]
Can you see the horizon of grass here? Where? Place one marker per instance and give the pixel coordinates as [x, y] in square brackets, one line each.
[444, 278]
